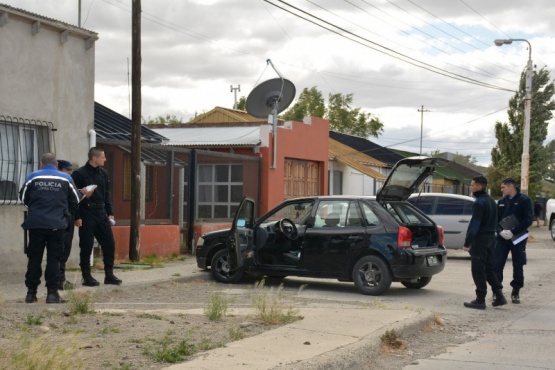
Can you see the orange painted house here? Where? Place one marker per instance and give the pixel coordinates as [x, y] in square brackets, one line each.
[301, 153]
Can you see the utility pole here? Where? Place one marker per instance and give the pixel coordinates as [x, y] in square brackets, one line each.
[235, 89]
[421, 110]
[79, 15]
[134, 229]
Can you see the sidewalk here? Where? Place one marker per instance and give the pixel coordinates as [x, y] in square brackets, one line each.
[332, 337]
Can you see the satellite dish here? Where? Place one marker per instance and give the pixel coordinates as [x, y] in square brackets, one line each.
[275, 94]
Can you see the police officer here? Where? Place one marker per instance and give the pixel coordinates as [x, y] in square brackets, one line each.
[66, 167]
[94, 217]
[480, 242]
[48, 194]
[517, 205]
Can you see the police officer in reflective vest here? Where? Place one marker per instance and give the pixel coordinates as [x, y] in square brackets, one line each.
[49, 195]
[94, 217]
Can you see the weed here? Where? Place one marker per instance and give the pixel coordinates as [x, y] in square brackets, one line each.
[147, 315]
[168, 351]
[80, 303]
[33, 320]
[391, 339]
[153, 260]
[217, 307]
[271, 306]
[112, 313]
[124, 367]
[376, 304]
[236, 334]
[109, 330]
[30, 353]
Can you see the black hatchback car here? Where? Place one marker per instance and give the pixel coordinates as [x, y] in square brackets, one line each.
[372, 241]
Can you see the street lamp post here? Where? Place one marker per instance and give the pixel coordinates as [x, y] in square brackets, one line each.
[525, 167]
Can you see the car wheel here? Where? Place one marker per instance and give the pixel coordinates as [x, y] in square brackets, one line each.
[221, 270]
[553, 229]
[421, 282]
[371, 275]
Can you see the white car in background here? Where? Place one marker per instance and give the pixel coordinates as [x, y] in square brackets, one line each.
[451, 211]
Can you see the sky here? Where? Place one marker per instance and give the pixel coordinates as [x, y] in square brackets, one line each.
[397, 58]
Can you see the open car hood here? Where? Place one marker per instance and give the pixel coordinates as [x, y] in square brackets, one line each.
[406, 176]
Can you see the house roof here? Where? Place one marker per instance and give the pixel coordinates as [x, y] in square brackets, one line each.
[355, 159]
[109, 124]
[365, 146]
[227, 115]
[243, 136]
[51, 22]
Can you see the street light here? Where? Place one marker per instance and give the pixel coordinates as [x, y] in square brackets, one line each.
[524, 173]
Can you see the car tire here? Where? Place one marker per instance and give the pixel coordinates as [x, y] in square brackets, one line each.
[421, 283]
[552, 228]
[221, 271]
[371, 275]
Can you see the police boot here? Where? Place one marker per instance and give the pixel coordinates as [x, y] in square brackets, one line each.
[52, 296]
[478, 304]
[31, 296]
[88, 280]
[499, 299]
[110, 278]
[515, 295]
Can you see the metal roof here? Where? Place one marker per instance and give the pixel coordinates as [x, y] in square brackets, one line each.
[221, 114]
[212, 136]
[367, 147]
[354, 159]
[112, 125]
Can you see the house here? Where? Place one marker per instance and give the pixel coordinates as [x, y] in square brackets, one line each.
[46, 105]
[297, 167]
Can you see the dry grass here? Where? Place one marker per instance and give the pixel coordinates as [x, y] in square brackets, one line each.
[271, 305]
[435, 324]
[392, 342]
[30, 352]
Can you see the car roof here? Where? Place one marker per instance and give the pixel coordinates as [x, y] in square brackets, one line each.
[443, 195]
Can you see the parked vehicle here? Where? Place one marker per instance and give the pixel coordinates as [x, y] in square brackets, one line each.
[550, 216]
[450, 211]
[371, 241]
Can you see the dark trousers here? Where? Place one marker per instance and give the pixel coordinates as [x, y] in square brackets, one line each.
[481, 254]
[96, 225]
[66, 251]
[39, 240]
[518, 255]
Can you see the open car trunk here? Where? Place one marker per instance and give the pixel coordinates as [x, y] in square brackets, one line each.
[424, 231]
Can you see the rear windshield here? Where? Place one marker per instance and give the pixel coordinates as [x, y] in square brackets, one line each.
[407, 214]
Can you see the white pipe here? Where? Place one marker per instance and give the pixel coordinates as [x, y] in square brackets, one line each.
[92, 138]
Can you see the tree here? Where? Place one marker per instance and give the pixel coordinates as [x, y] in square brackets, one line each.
[506, 156]
[163, 120]
[310, 103]
[242, 103]
[551, 160]
[349, 120]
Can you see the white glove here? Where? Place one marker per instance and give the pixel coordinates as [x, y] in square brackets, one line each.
[506, 234]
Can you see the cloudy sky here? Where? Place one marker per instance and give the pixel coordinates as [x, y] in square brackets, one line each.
[393, 56]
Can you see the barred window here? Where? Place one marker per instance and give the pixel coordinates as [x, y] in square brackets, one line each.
[22, 142]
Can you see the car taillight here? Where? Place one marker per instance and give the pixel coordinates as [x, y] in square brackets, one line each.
[404, 237]
[440, 235]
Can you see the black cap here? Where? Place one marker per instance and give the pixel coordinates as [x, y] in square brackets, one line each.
[62, 163]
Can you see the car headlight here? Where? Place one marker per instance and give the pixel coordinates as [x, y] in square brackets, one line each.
[200, 242]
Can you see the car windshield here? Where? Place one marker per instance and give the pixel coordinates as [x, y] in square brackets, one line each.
[297, 212]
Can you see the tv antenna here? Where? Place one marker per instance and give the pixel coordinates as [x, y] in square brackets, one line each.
[270, 98]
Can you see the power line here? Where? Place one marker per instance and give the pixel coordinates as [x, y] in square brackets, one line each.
[387, 51]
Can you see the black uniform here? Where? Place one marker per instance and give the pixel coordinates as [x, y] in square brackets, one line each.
[480, 237]
[49, 196]
[521, 207]
[94, 212]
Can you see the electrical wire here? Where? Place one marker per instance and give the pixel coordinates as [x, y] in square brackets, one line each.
[385, 50]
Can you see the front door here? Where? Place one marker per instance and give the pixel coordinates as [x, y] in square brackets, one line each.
[241, 243]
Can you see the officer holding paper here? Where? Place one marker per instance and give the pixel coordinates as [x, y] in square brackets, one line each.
[515, 214]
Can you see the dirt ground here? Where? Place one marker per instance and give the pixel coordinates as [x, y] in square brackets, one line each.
[153, 326]
[146, 327]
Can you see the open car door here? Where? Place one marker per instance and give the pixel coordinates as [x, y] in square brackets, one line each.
[241, 241]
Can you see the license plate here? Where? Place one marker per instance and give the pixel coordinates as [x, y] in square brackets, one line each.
[432, 260]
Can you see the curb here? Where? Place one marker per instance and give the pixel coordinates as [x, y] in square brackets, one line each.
[358, 355]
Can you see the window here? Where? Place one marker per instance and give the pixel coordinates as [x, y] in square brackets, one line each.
[220, 190]
[371, 218]
[331, 213]
[424, 203]
[21, 144]
[451, 206]
[337, 183]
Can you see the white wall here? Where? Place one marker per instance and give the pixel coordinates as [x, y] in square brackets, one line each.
[44, 79]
